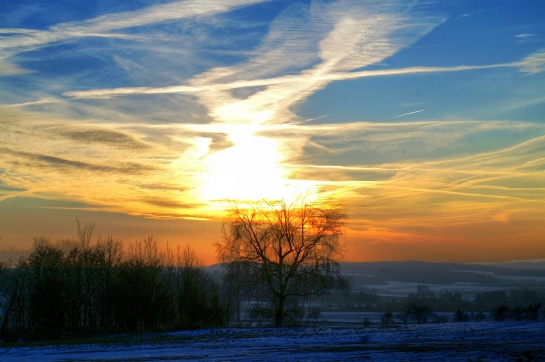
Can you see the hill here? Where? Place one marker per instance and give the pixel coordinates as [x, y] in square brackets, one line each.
[379, 273]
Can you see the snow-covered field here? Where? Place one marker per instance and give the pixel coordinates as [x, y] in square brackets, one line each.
[472, 341]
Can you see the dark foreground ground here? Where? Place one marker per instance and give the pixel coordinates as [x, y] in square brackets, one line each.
[483, 341]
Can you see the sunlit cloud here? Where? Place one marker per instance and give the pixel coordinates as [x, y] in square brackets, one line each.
[328, 58]
[169, 122]
[88, 162]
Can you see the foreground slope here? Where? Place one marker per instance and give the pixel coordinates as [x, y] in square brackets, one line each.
[485, 341]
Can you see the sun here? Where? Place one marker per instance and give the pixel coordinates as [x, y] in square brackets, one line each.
[247, 171]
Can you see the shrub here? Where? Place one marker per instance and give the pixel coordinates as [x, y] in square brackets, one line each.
[387, 318]
[500, 312]
[420, 312]
[479, 317]
[460, 316]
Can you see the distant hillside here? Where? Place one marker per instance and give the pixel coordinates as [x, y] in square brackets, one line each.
[378, 273]
[528, 265]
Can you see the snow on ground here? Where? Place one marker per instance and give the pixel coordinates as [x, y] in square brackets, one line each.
[472, 341]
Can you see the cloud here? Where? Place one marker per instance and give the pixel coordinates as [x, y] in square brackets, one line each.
[4, 187]
[62, 165]
[534, 63]
[24, 40]
[159, 186]
[336, 57]
[167, 203]
[107, 164]
[281, 82]
[8, 69]
[425, 163]
[33, 103]
[149, 126]
[105, 137]
[305, 49]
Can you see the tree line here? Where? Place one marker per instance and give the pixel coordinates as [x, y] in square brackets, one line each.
[280, 262]
[422, 306]
[83, 289]
[276, 255]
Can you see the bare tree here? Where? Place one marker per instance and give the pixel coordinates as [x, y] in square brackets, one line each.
[420, 311]
[293, 249]
[84, 233]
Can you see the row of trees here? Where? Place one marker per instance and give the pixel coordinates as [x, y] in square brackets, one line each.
[98, 288]
[530, 312]
[277, 255]
[422, 313]
[445, 300]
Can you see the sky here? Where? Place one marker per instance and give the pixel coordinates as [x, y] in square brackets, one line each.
[423, 120]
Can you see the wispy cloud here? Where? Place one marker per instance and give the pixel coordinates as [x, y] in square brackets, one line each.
[105, 137]
[25, 39]
[340, 49]
[43, 156]
[381, 164]
[64, 165]
[317, 49]
[9, 68]
[146, 143]
[534, 63]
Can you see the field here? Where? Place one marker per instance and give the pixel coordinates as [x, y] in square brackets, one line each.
[472, 341]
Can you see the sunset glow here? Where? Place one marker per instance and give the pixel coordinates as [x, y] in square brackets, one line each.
[249, 169]
[423, 121]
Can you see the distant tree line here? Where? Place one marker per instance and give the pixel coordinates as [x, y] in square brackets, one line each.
[424, 305]
[83, 289]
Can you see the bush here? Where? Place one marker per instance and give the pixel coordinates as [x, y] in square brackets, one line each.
[479, 317]
[500, 313]
[420, 312]
[403, 317]
[517, 313]
[387, 318]
[460, 316]
[260, 314]
[532, 311]
[314, 313]
[437, 318]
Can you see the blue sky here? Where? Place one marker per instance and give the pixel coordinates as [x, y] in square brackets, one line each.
[423, 119]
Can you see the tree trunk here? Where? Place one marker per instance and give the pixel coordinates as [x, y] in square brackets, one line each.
[5, 323]
[279, 313]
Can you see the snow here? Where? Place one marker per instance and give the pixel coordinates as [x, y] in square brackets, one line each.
[472, 341]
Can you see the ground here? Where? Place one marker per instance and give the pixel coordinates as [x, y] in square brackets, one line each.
[472, 341]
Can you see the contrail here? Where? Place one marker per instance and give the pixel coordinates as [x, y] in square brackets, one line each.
[32, 103]
[404, 114]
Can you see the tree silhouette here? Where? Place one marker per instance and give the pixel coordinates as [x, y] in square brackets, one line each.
[47, 295]
[86, 288]
[419, 311]
[291, 249]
